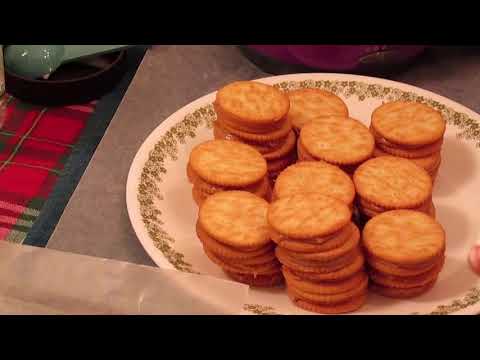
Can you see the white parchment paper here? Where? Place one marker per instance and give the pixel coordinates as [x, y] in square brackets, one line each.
[43, 281]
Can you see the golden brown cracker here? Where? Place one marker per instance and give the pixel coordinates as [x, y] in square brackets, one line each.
[423, 151]
[337, 140]
[338, 308]
[399, 293]
[352, 242]
[404, 237]
[306, 104]
[405, 282]
[393, 182]
[198, 196]
[312, 176]
[317, 267]
[326, 288]
[220, 133]
[429, 163]
[369, 207]
[360, 289]
[278, 165]
[228, 163]
[402, 271]
[259, 280]
[229, 252]
[344, 272]
[303, 154]
[284, 149]
[236, 218]
[269, 132]
[408, 123]
[308, 215]
[262, 269]
[253, 102]
[314, 245]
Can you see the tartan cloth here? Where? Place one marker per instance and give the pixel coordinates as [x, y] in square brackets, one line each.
[35, 143]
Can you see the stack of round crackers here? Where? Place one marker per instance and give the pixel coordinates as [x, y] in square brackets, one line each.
[337, 140]
[233, 229]
[318, 246]
[221, 165]
[405, 252]
[411, 130]
[308, 104]
[256, 114]
[315, 176]
[388, 182]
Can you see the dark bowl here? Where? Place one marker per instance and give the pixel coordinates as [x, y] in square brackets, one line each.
[72, 83]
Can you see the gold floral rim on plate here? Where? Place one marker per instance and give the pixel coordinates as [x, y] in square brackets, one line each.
[167, 149]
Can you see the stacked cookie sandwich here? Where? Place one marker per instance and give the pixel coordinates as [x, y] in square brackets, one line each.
[318, 246]
[405, 252]
[232, 226]
[388, 182]
[411, 130]
[256, 114]
[222, 165]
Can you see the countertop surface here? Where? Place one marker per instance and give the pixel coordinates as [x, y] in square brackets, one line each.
[95, 221]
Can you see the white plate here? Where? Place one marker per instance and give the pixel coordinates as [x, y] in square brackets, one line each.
[163, 213]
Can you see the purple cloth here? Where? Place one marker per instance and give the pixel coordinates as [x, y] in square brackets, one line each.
[338, 57]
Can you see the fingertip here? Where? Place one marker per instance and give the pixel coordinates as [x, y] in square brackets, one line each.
[474, 258]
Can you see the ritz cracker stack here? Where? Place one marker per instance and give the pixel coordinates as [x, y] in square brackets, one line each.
[410, 130]
[232, 226]
[318, 246]
[256, 114]
[221, 165]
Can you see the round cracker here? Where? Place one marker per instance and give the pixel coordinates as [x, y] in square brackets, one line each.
[399, 271]
[329, 298]
[228, 163]
[399, 293]
[303, 154]
[253, 102]
[306, 104]
[258, 280]
[351, 243]
[278, 165]
[282, 149]
[315, 267]
[340, 308]
[404, 237]
[405, 282]
[337, 140]
[308, 215]
[429, 163]
[225, 251]
[412, 153]
[325, 288]
[366, 205]
[219, 133]
[332, 242]
[270, 133]
[342, 273]
[198, 196]
[408, 123]
[312, 176]
[263, 269]
[236, 218]
[393, 182]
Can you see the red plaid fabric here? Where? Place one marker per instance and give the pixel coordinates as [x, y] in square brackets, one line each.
[35, 143]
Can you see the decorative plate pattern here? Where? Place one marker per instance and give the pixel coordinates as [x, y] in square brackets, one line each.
[167, 148]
